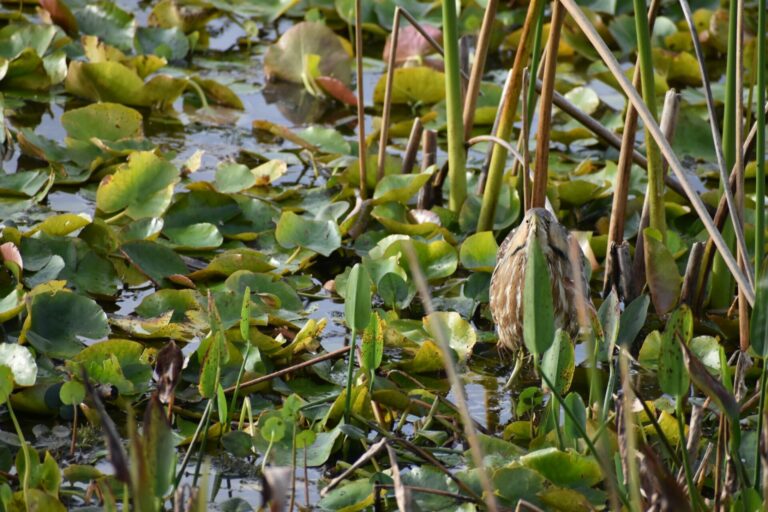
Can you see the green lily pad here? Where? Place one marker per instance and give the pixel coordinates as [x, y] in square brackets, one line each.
[478, 252]
[564, 467]
[461, 336]
[399, 187]
[106, 121]
[115, 82]
[142, 187]
[195, 236]
[155, 261]
[298, 231]
[437, 259]
[59, 320]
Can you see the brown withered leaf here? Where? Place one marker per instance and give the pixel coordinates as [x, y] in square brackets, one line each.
[711, 387]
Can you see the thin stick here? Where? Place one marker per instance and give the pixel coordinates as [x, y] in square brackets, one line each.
[540, 171]
[387, 108]
[478, 66]
[290, 369]
[368, 455]
[491, 138]
[654, 130]
[436, 492]
[412, 148]
[360, 100]
[453, 377]
[429, 157]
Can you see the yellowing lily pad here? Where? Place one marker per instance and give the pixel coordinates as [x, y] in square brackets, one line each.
[413, 85]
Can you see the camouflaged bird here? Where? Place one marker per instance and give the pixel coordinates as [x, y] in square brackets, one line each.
[508, 278]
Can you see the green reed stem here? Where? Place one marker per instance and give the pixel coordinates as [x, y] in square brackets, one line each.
[506, 121]
[657, 218]
[722, 283]
[25, 451]
[204, 440]
[457, 176]
[535, 61]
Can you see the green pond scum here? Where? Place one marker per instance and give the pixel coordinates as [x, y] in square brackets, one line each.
[243, 269]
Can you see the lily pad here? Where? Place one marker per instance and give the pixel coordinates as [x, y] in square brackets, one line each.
[142, 187]
[413, 85]
[106, 121]
[59, 320]
[298, 231]
[289, 58]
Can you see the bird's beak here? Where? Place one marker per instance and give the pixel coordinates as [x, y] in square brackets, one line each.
[537, 223]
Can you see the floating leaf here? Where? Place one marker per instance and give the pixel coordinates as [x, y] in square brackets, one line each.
[287, 59]
[413, 85]
[299, 231]
[106, 121]
[460, 335]
[564, 467]
[399, 187]
[155, 261]
[585, 98]
[115, 82]
[142, 187]
[59, 320]
[478, 252]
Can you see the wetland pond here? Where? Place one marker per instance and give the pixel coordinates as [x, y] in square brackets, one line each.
[181, 215]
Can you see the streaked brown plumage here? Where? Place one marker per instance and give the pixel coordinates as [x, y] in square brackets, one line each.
[508, 278]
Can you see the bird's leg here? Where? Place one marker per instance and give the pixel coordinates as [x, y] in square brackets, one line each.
[516, 370]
